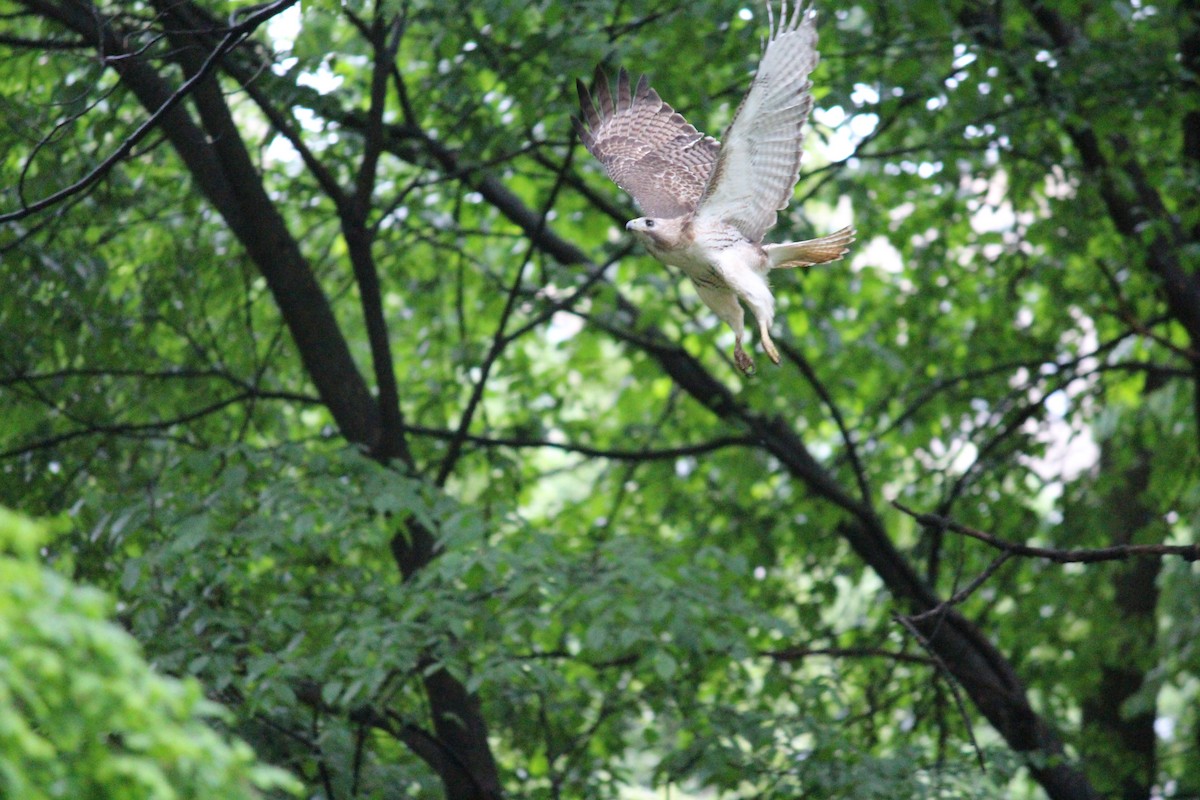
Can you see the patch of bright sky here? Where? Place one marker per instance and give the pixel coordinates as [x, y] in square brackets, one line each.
[563, 326]
[844, 135]
[283, 29]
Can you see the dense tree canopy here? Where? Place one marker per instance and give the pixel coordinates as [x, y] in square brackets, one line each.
[324, 334]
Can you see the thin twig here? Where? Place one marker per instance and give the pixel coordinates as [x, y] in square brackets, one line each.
[860, 473]
[126, 429]
[798, 653]
[909, 626]
[966, 591]
[231, 40]
[1188, 552]
[499, 340]
[681, 451]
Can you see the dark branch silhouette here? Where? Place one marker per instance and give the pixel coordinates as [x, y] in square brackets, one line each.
[233, 37]
[1188, 552]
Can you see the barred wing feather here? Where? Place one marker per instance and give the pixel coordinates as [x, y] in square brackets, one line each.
[759, 163]
[645, 146]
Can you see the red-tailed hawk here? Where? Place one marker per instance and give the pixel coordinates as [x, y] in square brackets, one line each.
[707, 205]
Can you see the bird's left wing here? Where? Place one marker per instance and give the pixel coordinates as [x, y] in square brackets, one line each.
[759, 162]
[647, 148]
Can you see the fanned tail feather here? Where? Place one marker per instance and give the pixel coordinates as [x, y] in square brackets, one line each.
[813, 251]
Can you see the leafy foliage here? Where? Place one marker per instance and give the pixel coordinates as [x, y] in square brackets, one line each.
[83, 715]
[356, 397]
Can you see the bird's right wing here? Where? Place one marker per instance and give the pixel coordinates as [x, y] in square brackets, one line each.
[646, 147]
[760, 161]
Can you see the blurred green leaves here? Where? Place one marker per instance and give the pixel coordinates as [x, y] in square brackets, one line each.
[81, 712]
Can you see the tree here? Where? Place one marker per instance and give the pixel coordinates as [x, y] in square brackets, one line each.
[328, 340]
[83, 714]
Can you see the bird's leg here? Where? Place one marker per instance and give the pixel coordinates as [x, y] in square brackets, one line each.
[751, 286]
[743, 361]
[723, 301]
[768, 345]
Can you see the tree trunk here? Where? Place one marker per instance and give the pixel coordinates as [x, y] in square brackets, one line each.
[220, 164]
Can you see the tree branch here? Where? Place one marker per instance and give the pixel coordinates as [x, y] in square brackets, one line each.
[126, 428]
[499, 340]
[911, 627]
[800, 653]
[232, 39]
[360, 236]
[1188, 552]
[860, 474]
[662, 454]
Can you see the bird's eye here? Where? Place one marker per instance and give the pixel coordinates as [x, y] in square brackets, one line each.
[649, 223]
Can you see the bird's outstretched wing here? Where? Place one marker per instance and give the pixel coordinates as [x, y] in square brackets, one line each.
[759, 163]
[646, 147]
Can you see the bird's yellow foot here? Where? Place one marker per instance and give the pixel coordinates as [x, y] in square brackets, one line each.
[767, 344]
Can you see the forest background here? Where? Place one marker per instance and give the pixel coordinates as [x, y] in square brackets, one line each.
[325, 345]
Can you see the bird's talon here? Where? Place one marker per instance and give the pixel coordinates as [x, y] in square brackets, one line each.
[743, 362]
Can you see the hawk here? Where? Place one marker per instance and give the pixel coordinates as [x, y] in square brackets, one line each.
[708, 204]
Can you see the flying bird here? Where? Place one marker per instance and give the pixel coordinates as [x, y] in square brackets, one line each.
[708, 205]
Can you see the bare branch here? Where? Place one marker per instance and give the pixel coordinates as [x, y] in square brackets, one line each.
[500, 340]
[860, 473]
[1188, 552]
[232, 38]
[968, 590]
[661, 454]
[594, 276]
[359, 235]
[26, 43]
[127, 428]
[950, 681]
[800, 653]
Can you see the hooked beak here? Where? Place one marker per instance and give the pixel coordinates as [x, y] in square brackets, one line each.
[629, 225]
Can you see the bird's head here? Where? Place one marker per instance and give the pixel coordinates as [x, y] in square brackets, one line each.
[655, 232]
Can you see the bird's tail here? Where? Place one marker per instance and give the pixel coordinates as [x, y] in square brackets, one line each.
[813, 251]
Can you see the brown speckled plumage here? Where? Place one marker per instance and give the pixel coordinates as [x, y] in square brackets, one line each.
[707, 204]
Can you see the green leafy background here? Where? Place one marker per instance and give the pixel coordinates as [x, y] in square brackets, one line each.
[636, 621]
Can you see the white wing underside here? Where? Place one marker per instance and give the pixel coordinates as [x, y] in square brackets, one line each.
[759, 161]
